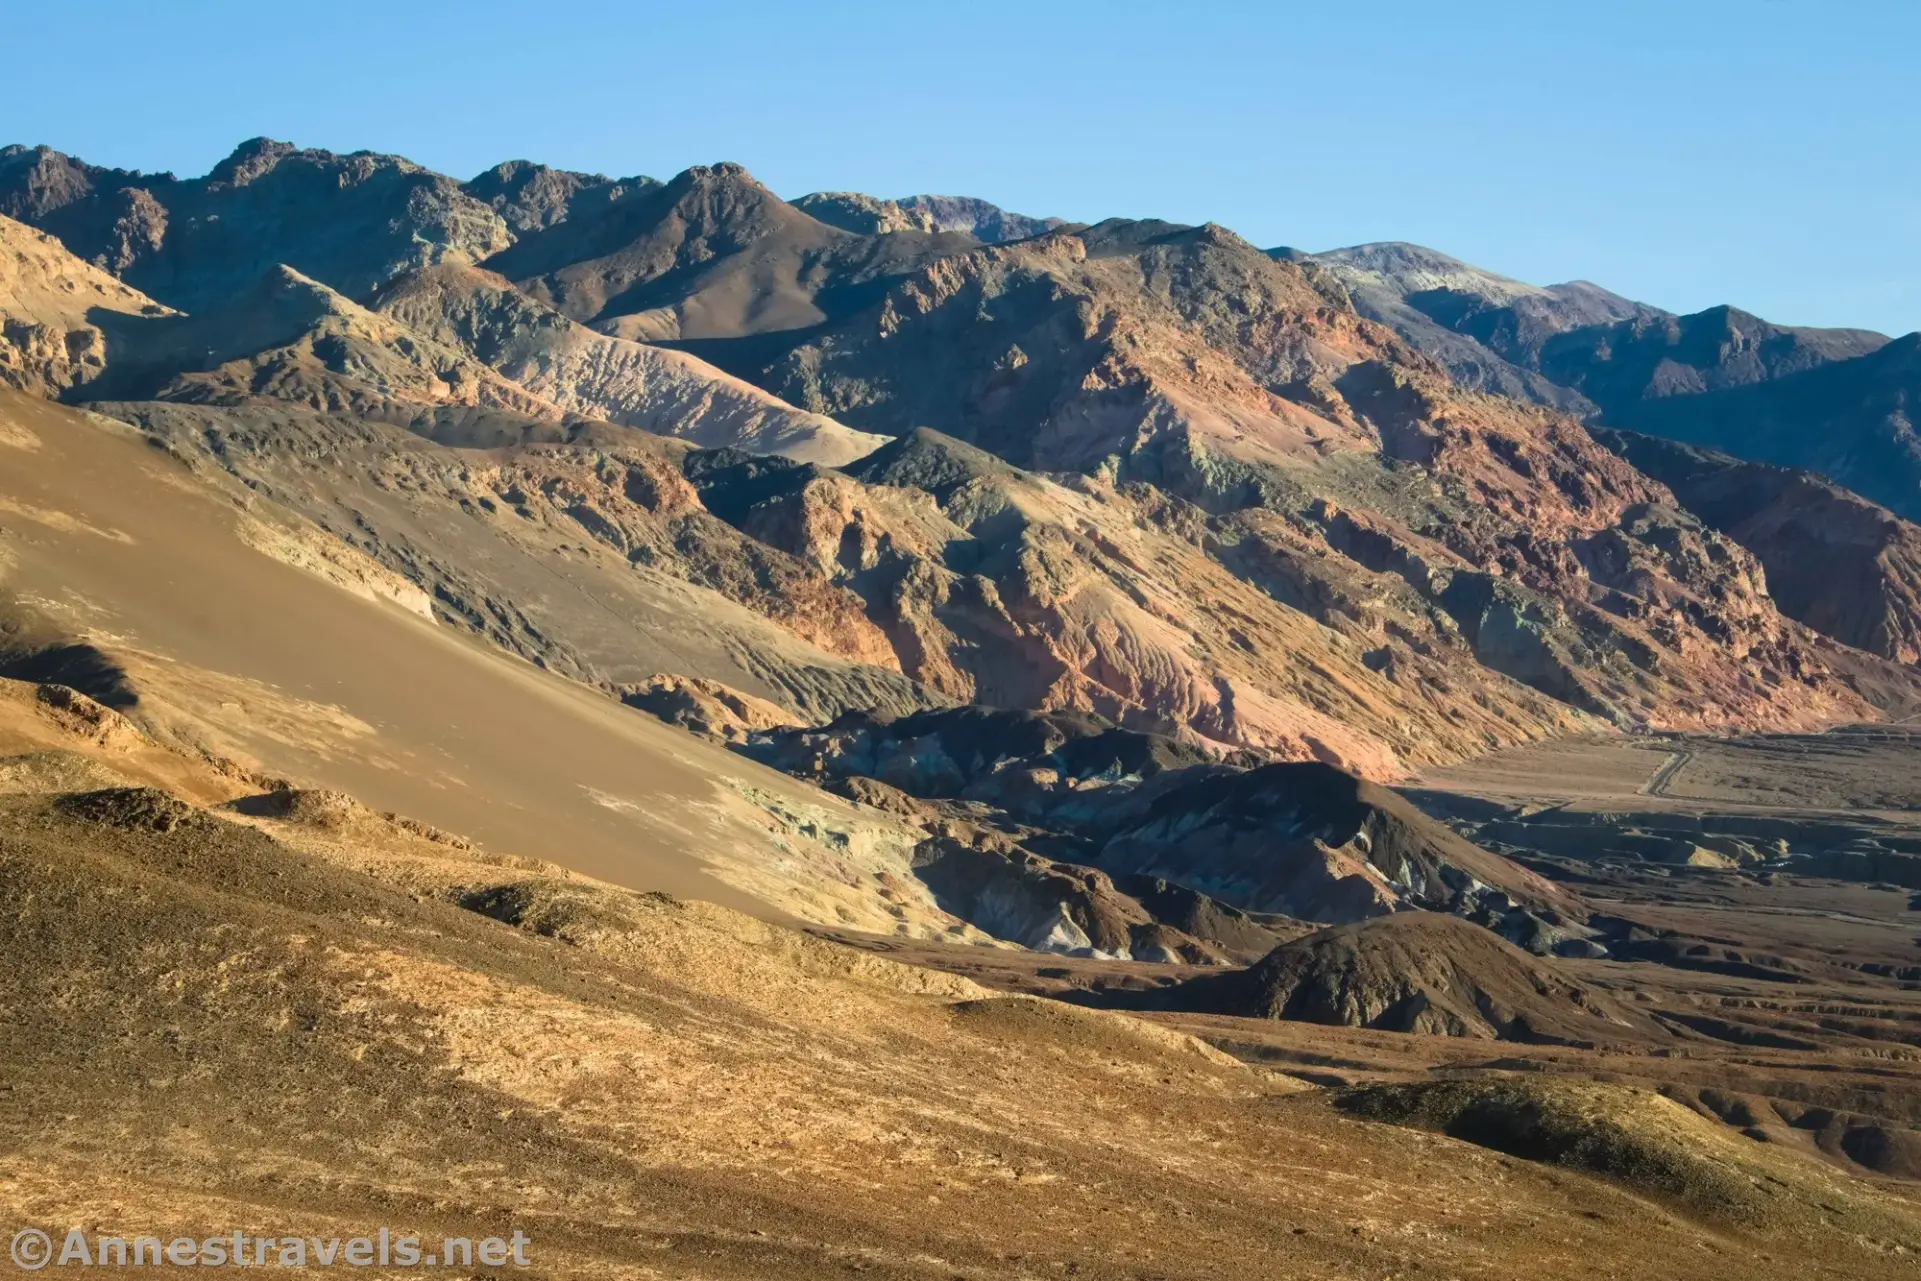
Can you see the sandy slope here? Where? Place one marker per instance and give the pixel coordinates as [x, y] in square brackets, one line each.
[251, 658]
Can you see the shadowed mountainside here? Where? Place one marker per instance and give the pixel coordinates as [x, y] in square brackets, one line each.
[1488, 330]
[1834, 401]
[50, 304]
[1853, 421]
[1835, 561]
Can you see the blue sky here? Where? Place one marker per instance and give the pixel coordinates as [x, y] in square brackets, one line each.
[1691, 152]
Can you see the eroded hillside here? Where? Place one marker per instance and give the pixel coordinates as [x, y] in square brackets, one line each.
[1204, 496]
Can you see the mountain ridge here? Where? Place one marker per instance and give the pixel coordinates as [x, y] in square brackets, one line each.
[1135, 469]
[1029, 636]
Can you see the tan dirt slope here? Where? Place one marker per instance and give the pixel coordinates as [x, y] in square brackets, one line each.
[232, 651]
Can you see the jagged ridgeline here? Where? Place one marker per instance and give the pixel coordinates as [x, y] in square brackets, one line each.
[1247, 499]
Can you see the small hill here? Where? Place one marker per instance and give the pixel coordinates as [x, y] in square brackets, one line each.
[1311, 841]
[1652, 1146]
[701, 706]
[981, 753]
[1415, 972]
[1013, 894]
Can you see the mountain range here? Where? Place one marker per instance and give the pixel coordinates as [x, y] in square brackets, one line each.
[606, 685]
[1338, 506]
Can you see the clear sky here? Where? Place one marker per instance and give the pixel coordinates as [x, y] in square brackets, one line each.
[1686, 152]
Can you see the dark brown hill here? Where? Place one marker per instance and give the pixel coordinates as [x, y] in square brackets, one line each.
[712, 253]
[1027, 763]
[1304, 840]
[1314, 842]
[1415, 972]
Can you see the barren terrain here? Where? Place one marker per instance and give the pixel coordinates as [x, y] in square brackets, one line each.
[291, 1010]
[760, 739]
[284, 1006]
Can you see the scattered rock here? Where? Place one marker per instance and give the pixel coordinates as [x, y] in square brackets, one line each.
[704, 707]
[132, 808]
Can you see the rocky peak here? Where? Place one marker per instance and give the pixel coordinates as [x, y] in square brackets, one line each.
[925, 459]
[250, 160]
[864, 215]
[38, 183]
[1396, 269]
[720, 170]
[987, 223]
[533, 197]
[714, 198]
